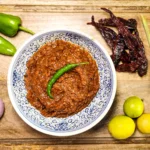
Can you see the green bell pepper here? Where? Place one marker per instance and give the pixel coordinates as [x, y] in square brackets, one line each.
[6, 48]
[10, 25]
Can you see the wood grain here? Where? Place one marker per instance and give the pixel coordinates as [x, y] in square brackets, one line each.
[40, 15]
[75, 5]
[80, 2]
[77, 147]
[128, 84]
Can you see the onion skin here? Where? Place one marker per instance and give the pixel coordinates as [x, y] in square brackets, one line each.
[2, 108]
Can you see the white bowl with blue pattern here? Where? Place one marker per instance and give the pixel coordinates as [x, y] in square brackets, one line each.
[79, 122]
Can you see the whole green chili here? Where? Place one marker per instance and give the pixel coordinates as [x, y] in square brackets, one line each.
[59, 73]
[10, 25]
[6, 48]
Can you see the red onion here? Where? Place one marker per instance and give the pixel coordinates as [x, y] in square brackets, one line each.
[2, 108]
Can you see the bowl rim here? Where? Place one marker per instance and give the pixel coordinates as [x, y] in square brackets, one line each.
[64, 133]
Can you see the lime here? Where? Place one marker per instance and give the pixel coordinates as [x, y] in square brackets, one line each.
[133, 107]
[143, 123]
[121, 127]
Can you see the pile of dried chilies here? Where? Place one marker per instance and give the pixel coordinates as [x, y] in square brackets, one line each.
[127, 48]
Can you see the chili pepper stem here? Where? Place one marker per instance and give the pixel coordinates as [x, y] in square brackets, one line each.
[51, 96]
[26, 30]
[83, 63]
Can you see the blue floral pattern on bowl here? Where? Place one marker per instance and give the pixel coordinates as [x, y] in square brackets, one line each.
[79, 121]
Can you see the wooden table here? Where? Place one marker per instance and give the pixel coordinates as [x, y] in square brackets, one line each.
[39, 15]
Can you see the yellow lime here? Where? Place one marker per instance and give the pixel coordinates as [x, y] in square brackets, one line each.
[121, 127]
[133, 107]
[143, 123]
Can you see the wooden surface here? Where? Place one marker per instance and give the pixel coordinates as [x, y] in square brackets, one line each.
[39, 15]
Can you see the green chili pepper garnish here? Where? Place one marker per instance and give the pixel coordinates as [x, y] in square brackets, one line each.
[6, 48]
[59, 73]
[10, 25]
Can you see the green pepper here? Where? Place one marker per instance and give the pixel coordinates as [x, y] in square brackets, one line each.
[10, 25]
[59, 73]
[6, 47]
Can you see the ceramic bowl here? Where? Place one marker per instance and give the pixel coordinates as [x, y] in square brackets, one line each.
[85, 119]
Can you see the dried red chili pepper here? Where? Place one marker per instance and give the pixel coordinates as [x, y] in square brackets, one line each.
[118, 49]
[126, 39]
[125, 57]
[133, 42]
[108, 34]
[114, 41]
[131, 24]
[127, 67]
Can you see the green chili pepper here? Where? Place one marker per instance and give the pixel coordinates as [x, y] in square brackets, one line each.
[59, 73]
[9, 25]
[6, 47]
